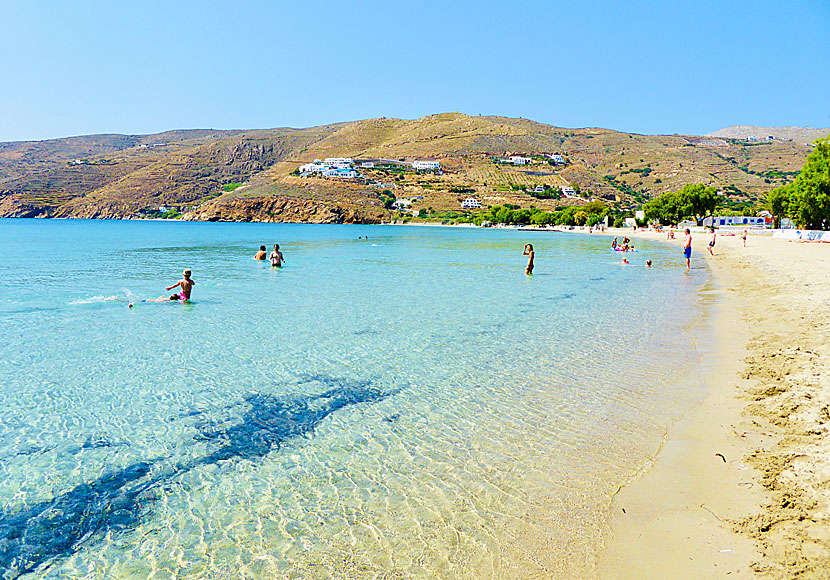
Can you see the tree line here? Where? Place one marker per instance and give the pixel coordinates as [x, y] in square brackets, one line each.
[806, 200]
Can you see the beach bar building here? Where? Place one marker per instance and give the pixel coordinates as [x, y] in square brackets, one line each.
[743, 220]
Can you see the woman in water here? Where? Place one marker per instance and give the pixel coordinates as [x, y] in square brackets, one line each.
[529, 252]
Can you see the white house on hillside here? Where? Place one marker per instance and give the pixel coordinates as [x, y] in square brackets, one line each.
[519, 160]
[340, 173]
[426, 165]
[568, 191]
[471, 203]
[557, 158]
[339, 161]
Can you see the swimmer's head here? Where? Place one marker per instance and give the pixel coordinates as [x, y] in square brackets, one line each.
[262, 248]
[276, 246]
[529, 247]
[186, 273]
[648, 263]
[174, 297]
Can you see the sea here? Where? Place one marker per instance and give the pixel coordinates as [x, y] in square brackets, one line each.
[394, 402]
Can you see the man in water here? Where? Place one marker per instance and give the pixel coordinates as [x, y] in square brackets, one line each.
[186, 284]
[529, 252]
[276, 257]
[260, 255]
[687, 248]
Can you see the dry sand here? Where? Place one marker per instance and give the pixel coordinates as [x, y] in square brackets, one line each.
[741, 486]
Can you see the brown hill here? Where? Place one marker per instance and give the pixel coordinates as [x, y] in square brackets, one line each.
[202, 172]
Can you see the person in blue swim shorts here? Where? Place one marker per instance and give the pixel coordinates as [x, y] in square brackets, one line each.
[687, 248]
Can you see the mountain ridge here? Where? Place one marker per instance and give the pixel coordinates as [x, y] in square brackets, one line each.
[200, 170]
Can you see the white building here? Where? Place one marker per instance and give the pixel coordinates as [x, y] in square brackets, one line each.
[426, 165]
[339, 161]
[556, 158]
[568, 191]
[401, 204]
[316, 167]
[519, 160]
[722, 220]
[340, 173]
[368, 164]
[471, 203]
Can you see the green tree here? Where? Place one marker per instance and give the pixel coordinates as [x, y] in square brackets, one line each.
[778, 201]
[809, 202]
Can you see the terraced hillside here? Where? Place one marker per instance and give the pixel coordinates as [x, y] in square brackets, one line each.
[250, 174]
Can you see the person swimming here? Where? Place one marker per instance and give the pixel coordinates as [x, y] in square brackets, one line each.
[260, 255]
[648, 263]
[186, 285]
[276, 257]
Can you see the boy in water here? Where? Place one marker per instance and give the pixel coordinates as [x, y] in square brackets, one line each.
[529, 252]
[687, 248]
[276, 257]
[186, 284]
[260, 255]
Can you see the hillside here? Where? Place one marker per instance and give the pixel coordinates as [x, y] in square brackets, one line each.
[248, 175]
[799, 134]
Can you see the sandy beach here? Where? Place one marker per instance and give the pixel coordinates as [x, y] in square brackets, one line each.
[741, 486]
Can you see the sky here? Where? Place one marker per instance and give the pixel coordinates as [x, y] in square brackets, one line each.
[689, 67]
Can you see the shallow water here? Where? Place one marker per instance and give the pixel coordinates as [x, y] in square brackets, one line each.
[411, 405]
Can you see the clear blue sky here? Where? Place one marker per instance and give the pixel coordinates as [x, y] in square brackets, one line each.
[71, 68]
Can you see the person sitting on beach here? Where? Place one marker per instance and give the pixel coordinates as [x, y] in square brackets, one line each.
[260, 255]
[529, 252]
[186, 284]
[687, 248]
[276, 257]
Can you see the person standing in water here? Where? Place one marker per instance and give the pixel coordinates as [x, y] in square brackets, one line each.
[687, 249]
[276, 257]
[186, 285]
[529, 252]
[712, 243]
[260, 255]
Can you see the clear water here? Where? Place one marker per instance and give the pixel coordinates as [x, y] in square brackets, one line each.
[407, 406]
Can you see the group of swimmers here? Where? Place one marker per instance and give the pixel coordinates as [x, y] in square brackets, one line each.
[276, 257]
[625, 246]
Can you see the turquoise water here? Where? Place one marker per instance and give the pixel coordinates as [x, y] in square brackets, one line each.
[407, 406]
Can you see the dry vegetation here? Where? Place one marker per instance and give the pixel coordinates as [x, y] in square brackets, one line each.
[121, 175]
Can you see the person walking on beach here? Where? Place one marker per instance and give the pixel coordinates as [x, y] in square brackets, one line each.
[260, 255]
[186, 285]
[743, 238]
[687, 249]
[276, 257]
[529, 252]
[712, 243]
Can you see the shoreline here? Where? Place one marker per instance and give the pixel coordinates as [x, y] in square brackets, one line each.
[741, 484]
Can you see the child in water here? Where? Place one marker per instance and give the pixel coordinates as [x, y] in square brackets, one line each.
[529, 252]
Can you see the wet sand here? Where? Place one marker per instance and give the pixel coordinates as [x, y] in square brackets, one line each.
[741, 486]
